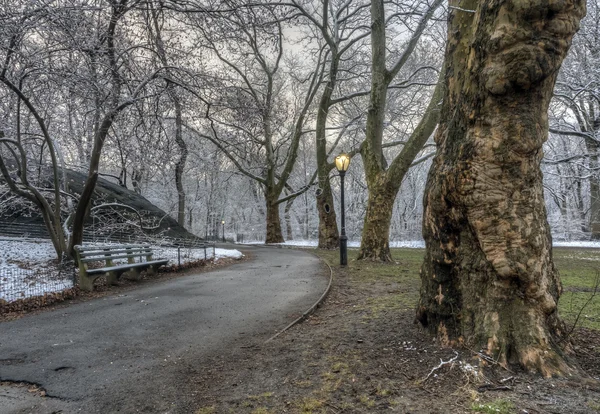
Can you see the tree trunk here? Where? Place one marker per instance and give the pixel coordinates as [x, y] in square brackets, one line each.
[85, 200]
[174, 96]
[329, 237]
[488, 279]
[274, 234]
[180, 166]
[136, 180]
[376, 229]
[288, 219]
[328, 229]
[383, 186]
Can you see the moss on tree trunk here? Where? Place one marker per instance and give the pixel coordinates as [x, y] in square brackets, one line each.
[488, 279]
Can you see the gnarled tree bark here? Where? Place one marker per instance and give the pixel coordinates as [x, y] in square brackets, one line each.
[488, 279]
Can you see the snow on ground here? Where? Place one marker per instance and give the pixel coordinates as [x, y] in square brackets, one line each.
[189, 255]
[24, 251]
[25, 270]
[21, 265]
[580, 244]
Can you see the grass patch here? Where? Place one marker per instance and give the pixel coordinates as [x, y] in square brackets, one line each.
[303, 383]
[366, 401]
[574, 304]
[309, 405]
[579, 269]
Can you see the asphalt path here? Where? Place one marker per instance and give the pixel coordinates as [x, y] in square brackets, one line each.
[129, 352]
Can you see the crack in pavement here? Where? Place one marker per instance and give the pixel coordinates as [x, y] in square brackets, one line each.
[32, 387]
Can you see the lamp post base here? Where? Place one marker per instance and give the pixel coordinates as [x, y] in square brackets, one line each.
[343, 250]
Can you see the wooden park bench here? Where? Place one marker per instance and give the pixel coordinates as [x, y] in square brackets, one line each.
[111, 270]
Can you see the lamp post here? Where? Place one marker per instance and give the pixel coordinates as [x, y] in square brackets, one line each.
[223, 224]
[342, 162]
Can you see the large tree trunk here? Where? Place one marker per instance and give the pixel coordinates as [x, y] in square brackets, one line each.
[329, 237]
[488, 279]
[288, 219]
[328, 229]
[274, 234]
[376, 229]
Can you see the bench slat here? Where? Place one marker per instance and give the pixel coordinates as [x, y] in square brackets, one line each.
[113, 251]
[127, 266]
[82, 248]
[114, 248]
[124, 256]
[108, 253]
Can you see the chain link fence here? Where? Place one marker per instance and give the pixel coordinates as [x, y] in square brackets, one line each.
[24, 288]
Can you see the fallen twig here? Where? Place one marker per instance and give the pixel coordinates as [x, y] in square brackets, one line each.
[442, 363]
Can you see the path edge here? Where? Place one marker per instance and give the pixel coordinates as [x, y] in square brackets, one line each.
[313, 307]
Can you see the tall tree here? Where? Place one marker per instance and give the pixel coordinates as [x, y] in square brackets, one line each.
[340, 28]
[488, 278]
[579, 97]
[383, 180]
[250, 116]
[156, 32]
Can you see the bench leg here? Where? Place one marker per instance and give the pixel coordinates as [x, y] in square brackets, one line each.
[85, 282]
[111, 278]
[151, 270]
[133, 274]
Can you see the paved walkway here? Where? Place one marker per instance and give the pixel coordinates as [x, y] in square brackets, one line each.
[128, 352]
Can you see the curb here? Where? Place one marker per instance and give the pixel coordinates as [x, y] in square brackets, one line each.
[312, 308]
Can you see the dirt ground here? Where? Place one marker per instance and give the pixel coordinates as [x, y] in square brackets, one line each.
[362, 353]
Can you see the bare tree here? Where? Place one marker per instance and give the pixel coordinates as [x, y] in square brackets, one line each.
[250, 115]
[576, 117]
[384, 180]
[156, 17]
[340, 29]
[68, 34]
